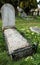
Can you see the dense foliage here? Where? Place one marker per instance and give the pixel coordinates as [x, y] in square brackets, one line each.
[25, 4]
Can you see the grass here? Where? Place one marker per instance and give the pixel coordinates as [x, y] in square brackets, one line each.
[22, 26]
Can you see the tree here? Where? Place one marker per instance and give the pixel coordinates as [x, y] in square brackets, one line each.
[25, 4]
[28, 4]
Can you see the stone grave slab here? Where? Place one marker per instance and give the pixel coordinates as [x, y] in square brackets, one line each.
[14, 40]
[35, 29]
[22, 13]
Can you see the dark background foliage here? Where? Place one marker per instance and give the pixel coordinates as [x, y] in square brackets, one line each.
[29, 3]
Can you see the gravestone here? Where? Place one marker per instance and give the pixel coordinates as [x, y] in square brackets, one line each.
[23, 15]
[8, 15]
[35, 29]
[21, 12]
[13, 38]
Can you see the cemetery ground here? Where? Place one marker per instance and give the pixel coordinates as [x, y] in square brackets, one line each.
[23, 26]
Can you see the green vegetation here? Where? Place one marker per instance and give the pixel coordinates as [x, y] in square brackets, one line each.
[22, 26]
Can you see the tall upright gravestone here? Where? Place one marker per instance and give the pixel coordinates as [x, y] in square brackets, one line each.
[8, 16]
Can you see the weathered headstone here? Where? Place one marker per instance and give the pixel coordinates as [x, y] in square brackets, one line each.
[8, 15]
[35, 29]
[13, 38]
[23, 15]
[21, 12]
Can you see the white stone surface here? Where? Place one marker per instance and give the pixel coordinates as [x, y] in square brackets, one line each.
[14, 40]
[35, 29]
[8, 15]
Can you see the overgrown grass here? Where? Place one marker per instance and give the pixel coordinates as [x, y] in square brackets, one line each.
[22, 26]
